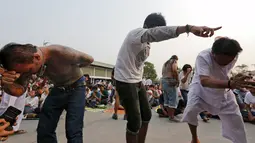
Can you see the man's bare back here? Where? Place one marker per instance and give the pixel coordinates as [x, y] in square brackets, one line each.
[60, 68]
[59, 63]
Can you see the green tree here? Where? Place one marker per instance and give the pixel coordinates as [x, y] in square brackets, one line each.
[149, 71]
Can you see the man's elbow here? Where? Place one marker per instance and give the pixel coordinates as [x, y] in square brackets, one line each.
[203, 82]
[91, 60]
[16, 94]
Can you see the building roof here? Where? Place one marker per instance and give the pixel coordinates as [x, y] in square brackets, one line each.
[100, 64]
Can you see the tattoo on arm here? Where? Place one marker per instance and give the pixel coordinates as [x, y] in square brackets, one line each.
[76, 57]
[19, 87]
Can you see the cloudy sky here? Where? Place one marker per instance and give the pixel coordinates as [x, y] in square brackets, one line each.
[98, 27]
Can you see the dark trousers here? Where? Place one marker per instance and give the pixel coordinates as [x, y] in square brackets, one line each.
[134, 99]
[185, 96]
[73, 101]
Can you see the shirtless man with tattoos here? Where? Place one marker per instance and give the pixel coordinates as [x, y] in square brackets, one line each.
[62, 66]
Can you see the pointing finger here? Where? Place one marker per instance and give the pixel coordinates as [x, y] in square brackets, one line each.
[217, 28]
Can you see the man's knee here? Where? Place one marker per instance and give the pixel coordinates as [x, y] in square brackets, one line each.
[146, 117]
[190, 116]
[134, 123]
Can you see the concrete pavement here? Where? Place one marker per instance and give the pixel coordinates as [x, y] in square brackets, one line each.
[100, 128]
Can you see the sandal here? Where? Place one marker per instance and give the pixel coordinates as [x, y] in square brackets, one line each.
[3, 139]
[18, 132]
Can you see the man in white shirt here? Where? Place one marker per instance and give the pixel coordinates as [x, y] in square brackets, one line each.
[129, 69]
[250, 105]
[17, 102]
[31, 102]
[210, 90]
[185, 79]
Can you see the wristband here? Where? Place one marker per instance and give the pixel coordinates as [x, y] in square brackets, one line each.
[187, 28]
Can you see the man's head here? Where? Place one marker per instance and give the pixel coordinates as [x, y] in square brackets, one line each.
[154, 20]
[152, 87]
[174, 57]
[95, 88]
[21, 58]
[31, 93]
[225, 50]
[186, 67]
[252, 91]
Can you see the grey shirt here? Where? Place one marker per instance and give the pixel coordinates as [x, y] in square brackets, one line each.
[136, 49]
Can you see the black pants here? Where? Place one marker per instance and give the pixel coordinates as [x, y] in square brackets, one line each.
[134, 99]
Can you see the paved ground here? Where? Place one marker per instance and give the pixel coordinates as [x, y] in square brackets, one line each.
[100, 128]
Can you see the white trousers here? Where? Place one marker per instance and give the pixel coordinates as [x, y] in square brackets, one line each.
[17, 102]
[232, 122]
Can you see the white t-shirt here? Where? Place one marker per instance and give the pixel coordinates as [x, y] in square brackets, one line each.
[149, 94]
[32, 101]
[131, 58]
[205, 65]
[250, 99]
[133, 53]
[184, 86]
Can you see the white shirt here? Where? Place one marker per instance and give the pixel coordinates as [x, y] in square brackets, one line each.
[184, 86]
[32, 101]
[149, 94]
[205, 65]
[250, 100]
[43, 98]
[135, 50]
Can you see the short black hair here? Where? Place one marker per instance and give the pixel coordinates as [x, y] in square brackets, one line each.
[154, 20]
[13, 53]
[226, 46]
[94, 87]
[185, 67]
[175, 57]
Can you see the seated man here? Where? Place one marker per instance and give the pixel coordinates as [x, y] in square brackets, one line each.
[95, 98]
[162, 111]
[31, 102]
[104, 94]
[154, 100]
[249, 100]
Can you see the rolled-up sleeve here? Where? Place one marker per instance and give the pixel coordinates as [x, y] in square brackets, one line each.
[158, 34]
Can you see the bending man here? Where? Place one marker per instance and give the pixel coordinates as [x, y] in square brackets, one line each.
[62, 66]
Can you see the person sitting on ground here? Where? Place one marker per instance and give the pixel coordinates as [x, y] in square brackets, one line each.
[162, 110]
[250, 106]
[104, 94]
[95, 98]
[153, 96]
[31, 102]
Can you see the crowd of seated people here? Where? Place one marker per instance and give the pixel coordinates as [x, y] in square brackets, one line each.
[37, 92]
[246, 101]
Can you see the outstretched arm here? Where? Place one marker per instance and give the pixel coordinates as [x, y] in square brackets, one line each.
[162, 33]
